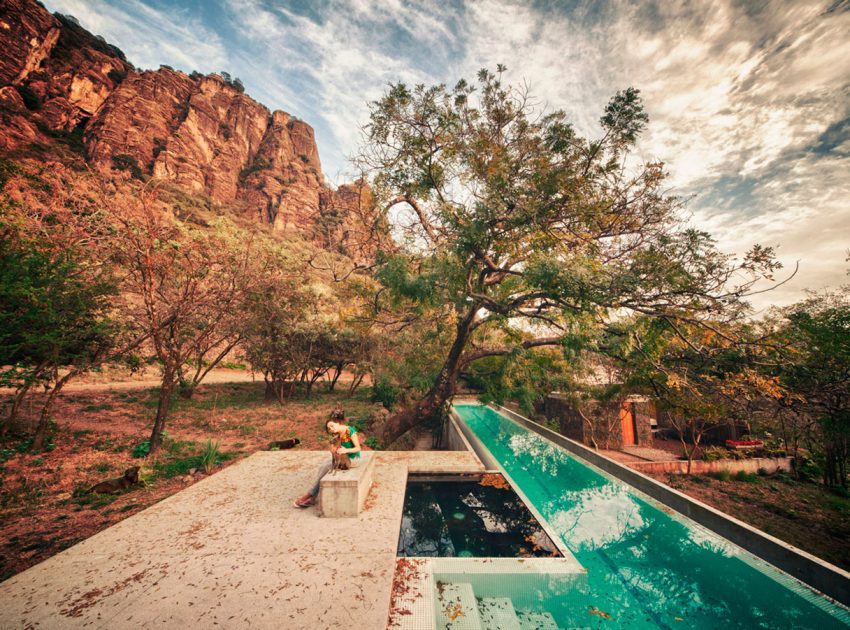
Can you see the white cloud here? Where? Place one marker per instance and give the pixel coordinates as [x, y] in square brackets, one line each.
[147, 36]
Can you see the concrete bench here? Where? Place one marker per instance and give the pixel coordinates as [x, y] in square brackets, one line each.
[343, 492]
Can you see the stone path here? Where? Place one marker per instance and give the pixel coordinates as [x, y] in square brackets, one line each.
[232, 552]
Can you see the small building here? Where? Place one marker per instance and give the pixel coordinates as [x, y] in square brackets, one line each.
[609, 424]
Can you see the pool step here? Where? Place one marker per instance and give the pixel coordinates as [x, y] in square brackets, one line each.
[497, 613]
[457, 607]
[536, 621]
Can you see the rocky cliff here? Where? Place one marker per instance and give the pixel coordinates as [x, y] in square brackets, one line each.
[201, 132]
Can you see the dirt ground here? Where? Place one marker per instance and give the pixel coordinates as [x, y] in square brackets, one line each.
[807, 515]
[97, 426]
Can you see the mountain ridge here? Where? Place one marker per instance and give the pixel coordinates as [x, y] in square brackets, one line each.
[201, 132]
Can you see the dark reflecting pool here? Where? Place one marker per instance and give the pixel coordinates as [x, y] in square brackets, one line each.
[470, 518]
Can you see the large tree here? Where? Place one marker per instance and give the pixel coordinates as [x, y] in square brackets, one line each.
[516, 224]
[185, 287]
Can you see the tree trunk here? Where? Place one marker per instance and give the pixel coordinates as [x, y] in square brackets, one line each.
[16, 404]
[339, 368]
[44, 417]
[355, 383]
[166, 389]
[443, 388]
[185, 386]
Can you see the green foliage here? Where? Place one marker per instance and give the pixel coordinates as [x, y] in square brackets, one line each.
[746, 477]
[373, 443]
[714, 453]
[384, 391]
[258, 165]
[808, 469]
[209, 456]
[721, 475]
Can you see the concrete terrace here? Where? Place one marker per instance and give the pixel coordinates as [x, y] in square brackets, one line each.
[232, 552]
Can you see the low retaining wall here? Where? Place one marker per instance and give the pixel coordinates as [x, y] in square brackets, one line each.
[754, 465]
[817, 573]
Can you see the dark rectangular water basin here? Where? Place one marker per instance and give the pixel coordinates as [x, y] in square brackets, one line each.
[469, 517]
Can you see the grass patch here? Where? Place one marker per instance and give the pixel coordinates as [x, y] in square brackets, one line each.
[720, 475]
[746, 477]
[180, 466]
[104, 444]
[81, 433]
[100, 407]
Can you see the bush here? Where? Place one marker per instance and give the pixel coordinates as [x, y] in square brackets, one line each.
[372, 442]
[385, 392]
[808, 469]
[714, 453]
[746, 477]
[116, 75]
[721, 475]
[142, 449]
[209, 456]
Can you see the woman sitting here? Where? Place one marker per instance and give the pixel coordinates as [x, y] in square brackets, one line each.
[348, 442]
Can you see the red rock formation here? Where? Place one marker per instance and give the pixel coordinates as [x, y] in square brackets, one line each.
[139, 117]
[200, 132]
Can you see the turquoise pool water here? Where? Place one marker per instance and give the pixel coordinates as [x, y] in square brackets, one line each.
[646, 567]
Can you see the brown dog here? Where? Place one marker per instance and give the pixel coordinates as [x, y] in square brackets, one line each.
[113, 486]
[285, 444]
[341, 461]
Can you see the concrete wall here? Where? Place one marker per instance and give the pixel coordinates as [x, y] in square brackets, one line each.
[770, 464]
[815, 572]
[603, 424]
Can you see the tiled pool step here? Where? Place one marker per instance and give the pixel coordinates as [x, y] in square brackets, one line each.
[456, 607]
[479, 593]
[497, 613]
[459, 609]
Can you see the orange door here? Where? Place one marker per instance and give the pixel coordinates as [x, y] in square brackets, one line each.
[628, 426]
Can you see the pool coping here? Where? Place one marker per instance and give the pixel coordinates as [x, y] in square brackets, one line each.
[814, 572]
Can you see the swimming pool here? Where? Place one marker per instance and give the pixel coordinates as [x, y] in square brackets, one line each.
[465, 518]
[647, 567]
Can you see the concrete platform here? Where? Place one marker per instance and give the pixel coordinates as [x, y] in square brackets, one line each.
[232, 552]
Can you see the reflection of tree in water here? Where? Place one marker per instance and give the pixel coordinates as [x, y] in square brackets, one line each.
[467, 518]
[674, 573]
[423, 528]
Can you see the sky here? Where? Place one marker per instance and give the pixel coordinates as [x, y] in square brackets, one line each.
[749, 100]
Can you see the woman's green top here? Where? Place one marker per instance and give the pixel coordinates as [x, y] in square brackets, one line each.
[345, 441]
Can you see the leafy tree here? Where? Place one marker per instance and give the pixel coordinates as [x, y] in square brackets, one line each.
[514, 223]
[57, 292]
[53, 315]
[186, 287]
[815, 366]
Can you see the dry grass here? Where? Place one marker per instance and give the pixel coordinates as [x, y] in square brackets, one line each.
[807, 515]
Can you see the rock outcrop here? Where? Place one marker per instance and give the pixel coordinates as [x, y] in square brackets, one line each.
[200, 132]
